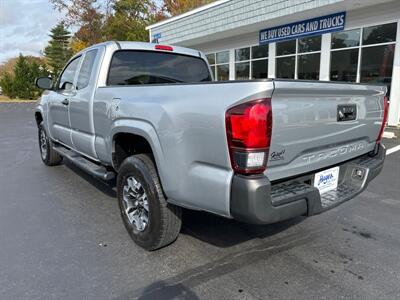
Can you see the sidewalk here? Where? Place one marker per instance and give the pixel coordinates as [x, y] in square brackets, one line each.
[391, 137]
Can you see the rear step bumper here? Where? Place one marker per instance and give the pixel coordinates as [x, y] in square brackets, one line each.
[255, 200]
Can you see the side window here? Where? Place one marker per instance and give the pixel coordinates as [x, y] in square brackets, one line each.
[86, 69]
[67, 77]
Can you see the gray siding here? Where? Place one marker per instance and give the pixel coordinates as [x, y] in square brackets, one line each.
[230, 15]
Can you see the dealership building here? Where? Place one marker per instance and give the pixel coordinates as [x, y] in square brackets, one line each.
[335, 40]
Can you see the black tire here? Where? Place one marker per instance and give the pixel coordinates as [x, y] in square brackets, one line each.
[164, 219]
[48, 155]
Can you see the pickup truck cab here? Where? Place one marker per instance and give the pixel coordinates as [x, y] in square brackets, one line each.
[259, 151]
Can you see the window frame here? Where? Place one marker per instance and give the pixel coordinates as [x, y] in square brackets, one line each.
[342, 50]
[215, 64]
[361, 46]
[250, 60]
[78, 57]
[296, 56]
[305, 54]
[91, 69]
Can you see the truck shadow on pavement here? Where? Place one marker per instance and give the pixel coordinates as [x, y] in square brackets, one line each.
[223, 233]
[106, 187]
[212, 229]
[181, 285]
[161, 290]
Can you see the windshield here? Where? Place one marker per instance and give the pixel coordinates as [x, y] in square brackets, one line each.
[133, 67]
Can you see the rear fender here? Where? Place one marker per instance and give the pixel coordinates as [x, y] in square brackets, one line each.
[147, 131]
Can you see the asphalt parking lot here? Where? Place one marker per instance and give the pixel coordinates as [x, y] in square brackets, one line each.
[61, 237]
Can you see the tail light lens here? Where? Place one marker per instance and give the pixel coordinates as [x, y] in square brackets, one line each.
[248, 128]
[163, 47]
[384, 120]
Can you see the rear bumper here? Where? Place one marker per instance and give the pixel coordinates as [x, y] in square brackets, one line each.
[255, 200]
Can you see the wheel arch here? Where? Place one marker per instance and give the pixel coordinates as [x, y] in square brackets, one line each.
[129, 137]
[125, 144]
[38, 117]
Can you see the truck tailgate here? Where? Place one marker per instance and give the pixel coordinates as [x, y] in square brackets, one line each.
[321, 124]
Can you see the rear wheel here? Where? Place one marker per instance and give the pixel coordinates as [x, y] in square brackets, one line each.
[150, 220]
[47, 153]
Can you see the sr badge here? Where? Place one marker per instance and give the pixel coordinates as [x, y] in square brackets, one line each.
[278, 155]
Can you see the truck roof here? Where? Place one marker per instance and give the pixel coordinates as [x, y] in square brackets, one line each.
[144, 46]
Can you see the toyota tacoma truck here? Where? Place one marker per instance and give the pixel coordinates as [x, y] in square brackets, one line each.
[258, 151]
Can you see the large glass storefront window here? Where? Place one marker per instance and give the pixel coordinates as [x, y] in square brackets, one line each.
[344, 65]
[211, 62]
[364, 55]
[219, 63]
[299, 58]
[377, 64]
[285, 67]
[286, 48]
[309, 57]
[242, 64]
[377, 60]
[385, 33]
[285, 59]
[308, 66]
[344, 39]
[309, 44]
[259, 62]
[344, 55]
[251, 62]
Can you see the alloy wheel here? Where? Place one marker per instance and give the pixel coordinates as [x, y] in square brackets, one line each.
[136, 206]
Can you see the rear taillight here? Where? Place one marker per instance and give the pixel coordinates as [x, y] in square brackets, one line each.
[384, 120]
[248, 128]
[163, 47]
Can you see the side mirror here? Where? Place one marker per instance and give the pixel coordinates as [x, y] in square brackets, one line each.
[44, 83]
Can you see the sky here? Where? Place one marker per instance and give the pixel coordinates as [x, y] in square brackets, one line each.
[25, 26]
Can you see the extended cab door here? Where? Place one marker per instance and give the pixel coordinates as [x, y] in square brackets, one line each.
[58, 116]
[81, 104]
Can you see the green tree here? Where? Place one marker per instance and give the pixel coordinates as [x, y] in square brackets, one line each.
[88, 16]
[177, 7]
[20, 83]
[58, 50]
[129, 20]
[36, 70]
[7, 86]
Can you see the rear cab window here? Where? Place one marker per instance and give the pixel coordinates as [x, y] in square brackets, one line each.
[138, 67]
[86, 69]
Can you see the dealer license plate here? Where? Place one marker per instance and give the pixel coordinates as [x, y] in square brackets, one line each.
[327, 180]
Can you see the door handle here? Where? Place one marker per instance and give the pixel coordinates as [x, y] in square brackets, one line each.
[65, 101]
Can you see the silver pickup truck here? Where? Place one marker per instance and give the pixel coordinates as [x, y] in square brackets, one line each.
[258, 151]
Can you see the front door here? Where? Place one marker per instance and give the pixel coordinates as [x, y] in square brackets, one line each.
[59, 98]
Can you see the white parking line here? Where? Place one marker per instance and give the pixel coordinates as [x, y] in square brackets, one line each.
[392, 150]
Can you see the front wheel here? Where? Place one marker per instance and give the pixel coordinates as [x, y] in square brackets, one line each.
[47, 153]
[151, 222]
